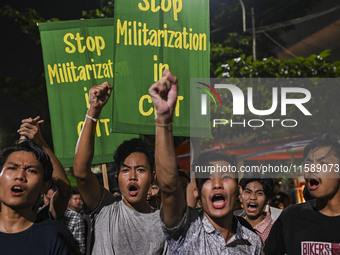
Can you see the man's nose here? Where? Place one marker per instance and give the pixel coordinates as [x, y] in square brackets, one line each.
[217, 183]
[132, 175]
[253, 196]
[20, 174]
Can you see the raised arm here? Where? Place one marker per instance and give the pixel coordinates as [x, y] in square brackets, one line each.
[30, 129]
[88, 185]
[164, 97]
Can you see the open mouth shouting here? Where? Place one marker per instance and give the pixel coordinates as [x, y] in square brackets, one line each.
[252, 207]
[218, 201]
[313, 183]
[133, 189]
[17, 190]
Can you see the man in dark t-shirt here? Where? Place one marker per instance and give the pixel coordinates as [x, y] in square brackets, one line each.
[312, 227]
[45, 237]
[26, 172]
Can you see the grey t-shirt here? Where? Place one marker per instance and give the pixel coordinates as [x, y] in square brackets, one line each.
[196, 235]
[118, 229]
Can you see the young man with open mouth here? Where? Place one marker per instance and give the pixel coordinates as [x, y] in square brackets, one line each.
[255, 195]
[313, 227]
[25, 175]
[128, 226]
[214, 230]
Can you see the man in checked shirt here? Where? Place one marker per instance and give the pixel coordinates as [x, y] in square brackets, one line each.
[73, 219]
[213, 230]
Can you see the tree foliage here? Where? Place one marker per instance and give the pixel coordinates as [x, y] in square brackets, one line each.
[312, 66]
[323, 104]
[105, 10]
[27, 20]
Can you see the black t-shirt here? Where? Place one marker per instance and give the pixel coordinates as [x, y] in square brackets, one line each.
[301, 229]
[48, 237]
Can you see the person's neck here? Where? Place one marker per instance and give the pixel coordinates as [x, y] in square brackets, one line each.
[141, 206]
[329, 206]
[253, 221]
[15, 221]
[223, 224]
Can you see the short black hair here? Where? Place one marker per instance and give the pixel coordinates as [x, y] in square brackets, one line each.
[324, 140]
[37, 150]
[130, 146]
[205, 159]
[267, 184]
[75, 191]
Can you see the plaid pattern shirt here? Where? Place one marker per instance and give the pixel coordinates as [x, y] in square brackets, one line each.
[195, 234]
[76, 224]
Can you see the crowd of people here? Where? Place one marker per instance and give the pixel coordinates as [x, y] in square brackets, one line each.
[166, 212]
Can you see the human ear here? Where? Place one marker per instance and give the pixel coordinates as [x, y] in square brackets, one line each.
[240, 190]
[195, 192]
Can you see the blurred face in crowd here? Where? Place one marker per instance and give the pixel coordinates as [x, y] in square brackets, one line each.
[254, 200]
[21, 181]
[154, 198]
[75, 203]
[153, 191]
[322, 172]
[48, 196]
[134, 179]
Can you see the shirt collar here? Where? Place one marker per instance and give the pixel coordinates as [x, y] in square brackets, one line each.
[261, 226]
[239, 232]
[209, 228]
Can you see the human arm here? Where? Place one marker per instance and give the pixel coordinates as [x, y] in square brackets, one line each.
[30, 129]
[164, 97]
[87, 182]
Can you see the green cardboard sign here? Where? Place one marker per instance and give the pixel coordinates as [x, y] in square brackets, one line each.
[151, 36]
[77, 55]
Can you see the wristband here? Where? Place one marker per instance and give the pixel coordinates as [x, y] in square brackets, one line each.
[91, 118]
[168, 126]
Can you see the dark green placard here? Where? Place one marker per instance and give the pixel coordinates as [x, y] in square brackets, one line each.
[150, 34]
[77, 55]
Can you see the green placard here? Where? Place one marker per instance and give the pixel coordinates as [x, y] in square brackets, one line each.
[151, 35]
[77, 55]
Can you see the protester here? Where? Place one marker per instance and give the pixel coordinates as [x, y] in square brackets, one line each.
[312, 227]
[129, 226]
[75, 222]
[255, 195]
[154, 196]
[26, 172]
[212, 230]
[280, 199]
[59, 196]
[49, 195]
[45, 206]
